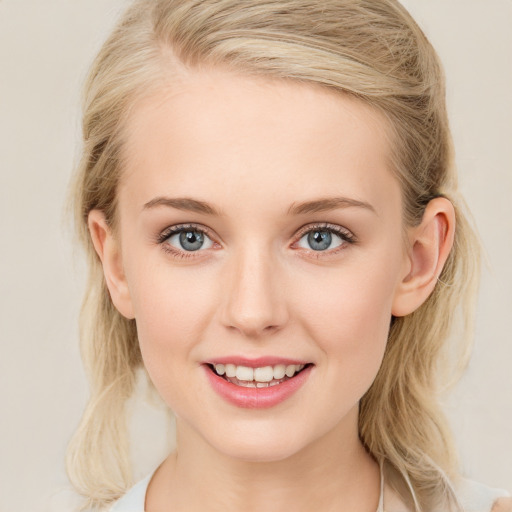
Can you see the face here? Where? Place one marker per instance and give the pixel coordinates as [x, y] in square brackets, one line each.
[259, 226]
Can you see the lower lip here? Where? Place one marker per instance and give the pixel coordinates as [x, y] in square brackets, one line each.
[256, 398]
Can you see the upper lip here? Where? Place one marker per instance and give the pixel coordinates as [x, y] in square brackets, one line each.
[256, 362]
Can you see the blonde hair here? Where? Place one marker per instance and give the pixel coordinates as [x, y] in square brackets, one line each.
[371, 49]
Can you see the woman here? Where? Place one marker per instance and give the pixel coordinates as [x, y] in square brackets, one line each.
[275, 234]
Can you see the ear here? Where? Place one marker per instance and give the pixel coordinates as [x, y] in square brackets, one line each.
[109, 252]
[430, 243]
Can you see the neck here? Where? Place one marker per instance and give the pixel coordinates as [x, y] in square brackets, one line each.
[333, 473]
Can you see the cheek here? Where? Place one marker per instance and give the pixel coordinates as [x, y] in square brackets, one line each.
[348, 314]
[171, 309]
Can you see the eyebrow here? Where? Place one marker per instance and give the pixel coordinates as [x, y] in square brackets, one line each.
[182, 203]
[315, 206]
[330, 203]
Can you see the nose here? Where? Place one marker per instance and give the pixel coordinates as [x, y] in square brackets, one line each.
[254, 298]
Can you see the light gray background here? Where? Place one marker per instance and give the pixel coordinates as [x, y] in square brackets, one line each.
[45, 48]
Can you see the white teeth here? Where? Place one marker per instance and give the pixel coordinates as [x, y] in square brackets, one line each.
[244, 373]
[230, 370]
[279, 371]
[267, 375]
[290, 370]
[247, 384]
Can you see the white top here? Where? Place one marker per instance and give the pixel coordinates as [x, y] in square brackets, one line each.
[474, 497]
[135, 499]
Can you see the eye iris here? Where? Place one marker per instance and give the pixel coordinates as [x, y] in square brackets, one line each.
[191, 240]
[319, 240]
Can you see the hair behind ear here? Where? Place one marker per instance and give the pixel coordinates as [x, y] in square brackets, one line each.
[111, 355]
[401, 420]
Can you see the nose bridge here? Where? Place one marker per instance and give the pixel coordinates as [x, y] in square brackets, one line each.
[254, 302]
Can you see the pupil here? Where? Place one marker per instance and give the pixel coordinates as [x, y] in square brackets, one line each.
[191, 240]
[319, 240]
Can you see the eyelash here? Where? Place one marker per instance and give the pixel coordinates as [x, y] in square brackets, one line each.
[346, 236]
[180, 228]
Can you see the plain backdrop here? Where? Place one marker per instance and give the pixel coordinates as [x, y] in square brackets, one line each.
[45, 49]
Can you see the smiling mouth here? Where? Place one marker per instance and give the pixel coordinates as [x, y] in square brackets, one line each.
[261, 377]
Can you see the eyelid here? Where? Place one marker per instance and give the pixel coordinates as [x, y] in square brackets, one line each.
[346, 236]
[341, 231]
[178, 228]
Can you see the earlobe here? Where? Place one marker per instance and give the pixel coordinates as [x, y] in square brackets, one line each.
[430, 245]
[108, 249]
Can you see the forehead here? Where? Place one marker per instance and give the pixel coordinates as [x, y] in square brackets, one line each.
[213, 132]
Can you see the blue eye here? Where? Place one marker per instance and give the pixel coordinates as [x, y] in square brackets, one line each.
[321, 240]
[189, 240]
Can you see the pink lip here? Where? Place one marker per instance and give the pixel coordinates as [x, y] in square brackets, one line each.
[256, 398]
[257, 362]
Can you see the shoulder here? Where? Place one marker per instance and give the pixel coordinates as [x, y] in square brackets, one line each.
[477, 497]
[502, 505]
[472, 496]
[134, 499]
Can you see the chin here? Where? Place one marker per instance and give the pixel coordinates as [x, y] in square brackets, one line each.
[259, 452]
[253, 445]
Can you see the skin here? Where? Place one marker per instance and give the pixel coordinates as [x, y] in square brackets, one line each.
[503, 505]
[254, 149]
